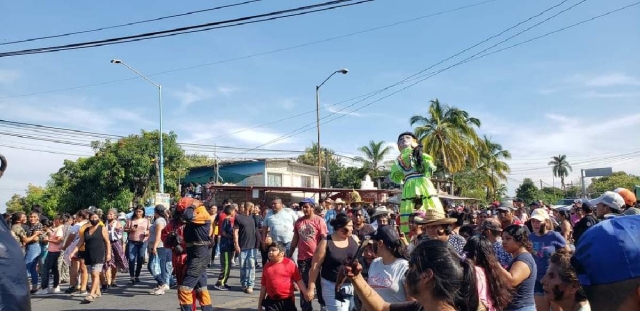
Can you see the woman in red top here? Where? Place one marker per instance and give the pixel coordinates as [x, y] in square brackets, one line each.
[278, 275]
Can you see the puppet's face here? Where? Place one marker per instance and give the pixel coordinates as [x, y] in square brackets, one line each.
[406, 141]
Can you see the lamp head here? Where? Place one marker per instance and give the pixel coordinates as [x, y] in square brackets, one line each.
[343, 71]
[116, 61]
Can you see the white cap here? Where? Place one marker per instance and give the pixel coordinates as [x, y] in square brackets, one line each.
[540, 214]
[610, 199]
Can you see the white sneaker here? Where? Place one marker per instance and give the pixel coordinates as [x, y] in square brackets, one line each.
[159, 291]
[41, 292]
[165, 287]
[152, 292]
[55, 290]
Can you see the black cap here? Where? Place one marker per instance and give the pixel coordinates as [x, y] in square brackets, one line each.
[386, 234]
[519, 200]
[407, 133]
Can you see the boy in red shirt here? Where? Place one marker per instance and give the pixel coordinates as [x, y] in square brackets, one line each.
[278, 276]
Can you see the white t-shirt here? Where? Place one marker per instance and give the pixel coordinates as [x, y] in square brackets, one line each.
[388, 280]
[281, 225]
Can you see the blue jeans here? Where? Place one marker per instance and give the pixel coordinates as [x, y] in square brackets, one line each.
[164, 256]
[31, 258]
[135, 254]
[248, 267]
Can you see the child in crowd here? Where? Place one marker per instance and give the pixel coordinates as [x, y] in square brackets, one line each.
[279, 274]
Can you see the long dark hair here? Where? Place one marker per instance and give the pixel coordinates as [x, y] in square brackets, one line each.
[454, 277]
[480, 250]
[139, 207]
[520, 235]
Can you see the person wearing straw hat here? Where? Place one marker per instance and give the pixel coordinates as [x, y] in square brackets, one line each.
[438, 227]
[413, 168]
[380, 217]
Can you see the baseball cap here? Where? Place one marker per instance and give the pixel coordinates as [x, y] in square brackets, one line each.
[310, 201]
[386, 234]
[540, 214]
[628, 196]
[491, 224]
[506, 206]
[632, 211]
[519, 200]
[609, 252]
[610, 199]
[534, 203]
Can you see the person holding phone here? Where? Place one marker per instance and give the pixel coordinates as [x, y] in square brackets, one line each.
[138, 229]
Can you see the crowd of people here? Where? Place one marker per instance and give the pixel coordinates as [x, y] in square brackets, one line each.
[509, 256]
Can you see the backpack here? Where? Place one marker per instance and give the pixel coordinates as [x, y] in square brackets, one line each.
[174, 240]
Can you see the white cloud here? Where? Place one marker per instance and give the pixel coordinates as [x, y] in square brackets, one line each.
[70, 111]
[8, 76]
[227, 90]
[288, 103]
[191, 94]
[236, 134]
[599, 143]
[595, 94]
[612, 80]
[344, 111]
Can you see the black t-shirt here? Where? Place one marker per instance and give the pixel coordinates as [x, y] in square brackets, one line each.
[583, 224]
[406, 306]
[246, 226]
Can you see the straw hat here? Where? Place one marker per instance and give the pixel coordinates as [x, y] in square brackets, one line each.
[382, 210]
[434, 217]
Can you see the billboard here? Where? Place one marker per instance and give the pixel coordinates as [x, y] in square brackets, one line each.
[597, 172]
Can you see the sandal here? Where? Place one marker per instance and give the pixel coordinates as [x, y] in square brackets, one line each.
[89, 298]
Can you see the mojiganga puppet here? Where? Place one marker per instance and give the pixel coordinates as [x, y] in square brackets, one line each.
[412, 169]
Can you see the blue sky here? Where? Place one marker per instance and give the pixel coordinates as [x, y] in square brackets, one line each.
[575, 92]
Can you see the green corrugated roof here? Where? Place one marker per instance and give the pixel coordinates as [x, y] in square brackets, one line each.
[202, 175]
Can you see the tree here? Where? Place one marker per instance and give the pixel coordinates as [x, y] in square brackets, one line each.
[493, 167]
[374, 156]
[608, 183]
[551, 195]
[34, 195]
[310, 157]
[198, 160]
[560, 167]
[527, 190]
[448, 134]
[348, 177]
[121, 173]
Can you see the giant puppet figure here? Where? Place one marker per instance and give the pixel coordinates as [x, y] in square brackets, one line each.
[412, 169]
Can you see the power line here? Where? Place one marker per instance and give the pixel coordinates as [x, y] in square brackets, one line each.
[192, 29]
[60, 136]
[128, 24]
[472, 58]
[259, 54]
[415, 76]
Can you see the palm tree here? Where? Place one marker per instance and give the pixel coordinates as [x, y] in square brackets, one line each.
[492, 165]
[448, 134]
[374, 156]
[560, 167]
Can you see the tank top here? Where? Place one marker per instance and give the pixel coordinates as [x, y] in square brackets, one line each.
[94, 246]
[334, 258]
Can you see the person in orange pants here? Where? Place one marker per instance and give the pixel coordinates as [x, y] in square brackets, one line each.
[197, 239]
[174, 237]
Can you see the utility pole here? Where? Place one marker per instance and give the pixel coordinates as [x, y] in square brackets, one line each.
[540, 184]
[326, 176]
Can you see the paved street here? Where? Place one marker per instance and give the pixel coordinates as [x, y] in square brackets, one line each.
[138, 298]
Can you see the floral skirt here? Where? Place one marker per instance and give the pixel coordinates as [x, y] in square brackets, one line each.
[118, 259]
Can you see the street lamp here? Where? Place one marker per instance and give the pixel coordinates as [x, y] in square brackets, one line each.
[343, 71]
[161, 182]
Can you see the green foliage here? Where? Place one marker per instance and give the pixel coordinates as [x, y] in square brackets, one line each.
[198, 160]
[550, 195]
[347, 177]
[120, 174]
[527, 191]
[560, 167]
[374, 154]
[609, 183]
[573, 192]
[34, 196]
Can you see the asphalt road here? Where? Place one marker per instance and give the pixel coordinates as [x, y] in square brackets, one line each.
[137, 297]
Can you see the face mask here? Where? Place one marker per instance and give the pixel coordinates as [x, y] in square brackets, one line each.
[94, 222]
